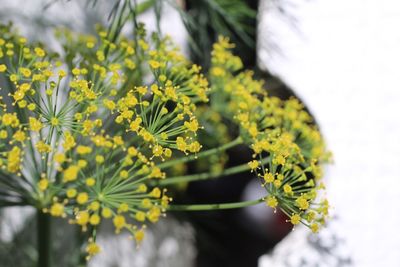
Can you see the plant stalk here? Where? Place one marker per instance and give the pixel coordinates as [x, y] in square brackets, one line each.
[202, 154]
[221, 206]
[43, 239]
[207, 175]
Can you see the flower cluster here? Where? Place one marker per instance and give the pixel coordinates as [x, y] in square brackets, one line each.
[88, 133]
[82, 134]
[288, 147]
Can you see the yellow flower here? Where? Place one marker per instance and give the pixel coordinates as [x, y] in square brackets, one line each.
[302, 203]
[139, 235]
[154, 64]
[134, 126]
[99, 159]
[154, 214]
[3, 68]
[59, 158]
[124, 174]
[54, 121]
[94, 219]
[140, 216]
[90, 181]
[82, 163]
[157, 151]
[3, 134]
[35, 124]
[279, 160]
[82, 198]
[14, 159]
[57, 210]
[9, 119]
[119, 223]
[272, 202]
[109, 104]
[69, 141]
[217, 71]
[82, 218]
[295, 219]
[106, 213]
[31, 106]
[181, 144]
[287, 189]
[268, 177]
[193, 125]
[92, 249]
[62, 73]
[71, 173]
[253, 164]
[19, 136]
[25, 72]
[42, 147]
[71, 192]
[39, 52]
[83, 150]
[123, 208]
[156, 193]
[43, 184]
[168, 152]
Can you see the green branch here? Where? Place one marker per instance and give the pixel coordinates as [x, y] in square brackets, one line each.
[203, 154]
[221, 206]
[207, 175]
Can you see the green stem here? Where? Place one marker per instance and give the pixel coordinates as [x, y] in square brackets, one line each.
[43, 239]
[203, 154]
[80, 239]
[221, 206]
[207, 175]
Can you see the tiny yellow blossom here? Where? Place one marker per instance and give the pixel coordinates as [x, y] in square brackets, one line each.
[268, 177]
[253, 165]
[71, 173]
[139, 235]
[272, 202]
[90, 181]
[119, 223]
[124, 174]
[3, 68]
[106, 213]
[82, 198]
[94, 219]
[140, 216]
[295, 219]
[92, 249]
[71, 193]
[43, 184]
[57, 210]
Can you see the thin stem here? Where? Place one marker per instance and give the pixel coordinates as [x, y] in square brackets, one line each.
[221, 206]
[207, 175]
[43, 239]
[203, 154]
[80, 239]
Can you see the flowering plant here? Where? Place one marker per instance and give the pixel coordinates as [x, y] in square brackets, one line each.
[91, 133]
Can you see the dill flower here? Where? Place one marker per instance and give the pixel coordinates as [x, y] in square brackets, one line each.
[288, 148]
[82, 135]
[89, 135]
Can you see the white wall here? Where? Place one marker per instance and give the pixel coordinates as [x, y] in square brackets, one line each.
[344, 62]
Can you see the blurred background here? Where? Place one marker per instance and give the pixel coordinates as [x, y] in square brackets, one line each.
[340, 58]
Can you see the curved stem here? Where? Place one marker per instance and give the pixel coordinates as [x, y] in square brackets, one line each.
[221, 206]
[207, 175]
[202, 154]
